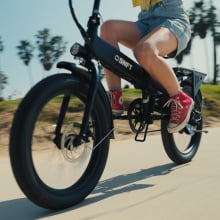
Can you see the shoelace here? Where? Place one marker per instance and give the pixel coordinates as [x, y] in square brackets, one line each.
[175, 106]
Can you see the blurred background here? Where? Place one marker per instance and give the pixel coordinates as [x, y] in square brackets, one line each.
[36, 35]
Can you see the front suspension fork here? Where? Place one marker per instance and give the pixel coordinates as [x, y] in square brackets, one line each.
[93, 87]
[63, 109]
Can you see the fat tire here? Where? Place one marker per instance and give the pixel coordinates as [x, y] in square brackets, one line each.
[20, 145]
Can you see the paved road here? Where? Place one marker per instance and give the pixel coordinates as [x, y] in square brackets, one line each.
[139, 182]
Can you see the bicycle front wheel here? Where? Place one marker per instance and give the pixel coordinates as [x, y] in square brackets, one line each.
[56, 174]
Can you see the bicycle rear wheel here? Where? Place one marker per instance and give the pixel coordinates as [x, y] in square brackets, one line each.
[56, 174]
[181, 147]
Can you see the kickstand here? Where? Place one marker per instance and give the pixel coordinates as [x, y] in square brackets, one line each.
[142, 132]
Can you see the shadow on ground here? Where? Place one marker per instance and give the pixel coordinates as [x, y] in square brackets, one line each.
[22, 208]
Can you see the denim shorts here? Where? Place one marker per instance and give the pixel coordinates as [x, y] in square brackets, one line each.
[169, 14]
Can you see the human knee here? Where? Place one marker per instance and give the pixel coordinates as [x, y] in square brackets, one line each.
[107, 29]
[145, 53]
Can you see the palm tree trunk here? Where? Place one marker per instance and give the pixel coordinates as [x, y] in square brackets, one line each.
[214, 51]
[30, 76]
[215, 59]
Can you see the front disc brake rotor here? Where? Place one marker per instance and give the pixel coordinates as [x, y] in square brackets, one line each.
[70, 152]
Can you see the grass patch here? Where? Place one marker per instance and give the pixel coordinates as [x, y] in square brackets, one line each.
[211, 94]
[9, 105]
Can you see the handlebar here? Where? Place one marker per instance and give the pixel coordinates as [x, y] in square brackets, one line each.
[83, 32]
[95, 13]
[96, 7]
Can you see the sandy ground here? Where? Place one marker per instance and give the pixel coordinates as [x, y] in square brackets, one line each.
[139, 182]
[122, 129]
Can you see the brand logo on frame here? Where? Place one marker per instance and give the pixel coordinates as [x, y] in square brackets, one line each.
[123, 62]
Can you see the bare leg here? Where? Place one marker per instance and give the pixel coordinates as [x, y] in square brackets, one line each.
[115, 32]
[150, 51]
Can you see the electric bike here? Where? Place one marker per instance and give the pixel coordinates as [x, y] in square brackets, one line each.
[60, 135]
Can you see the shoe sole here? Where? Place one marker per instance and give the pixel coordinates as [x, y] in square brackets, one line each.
[184, 123]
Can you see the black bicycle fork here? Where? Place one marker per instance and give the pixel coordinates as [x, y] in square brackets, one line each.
[93, 87]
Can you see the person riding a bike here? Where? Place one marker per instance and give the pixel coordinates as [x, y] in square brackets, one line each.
[67, 117]
[162, 29]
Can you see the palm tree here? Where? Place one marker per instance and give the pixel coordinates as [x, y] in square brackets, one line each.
[3, 82]
[203, 18]
[50, 48]
[1, 49]
[25, 52]
[1, 45]
[3, 78]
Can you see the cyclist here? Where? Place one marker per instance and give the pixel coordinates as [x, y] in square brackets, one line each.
[162, 29]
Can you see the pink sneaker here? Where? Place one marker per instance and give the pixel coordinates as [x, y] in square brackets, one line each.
[181, 107]
[116, 101]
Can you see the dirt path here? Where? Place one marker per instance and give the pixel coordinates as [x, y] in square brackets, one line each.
[122, 129]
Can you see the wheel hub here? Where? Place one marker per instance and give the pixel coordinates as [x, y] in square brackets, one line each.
[71, 152]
